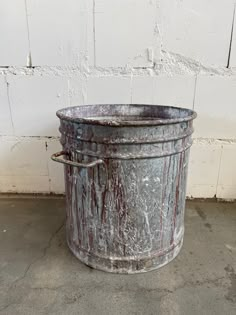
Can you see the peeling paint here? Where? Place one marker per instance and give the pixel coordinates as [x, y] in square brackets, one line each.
[126, 215]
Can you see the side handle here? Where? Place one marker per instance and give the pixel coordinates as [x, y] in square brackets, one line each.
[57, 158]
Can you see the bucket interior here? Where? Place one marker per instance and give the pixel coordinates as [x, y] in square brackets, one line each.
[126, 114]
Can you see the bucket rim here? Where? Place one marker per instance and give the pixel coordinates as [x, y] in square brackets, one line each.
[63, 115]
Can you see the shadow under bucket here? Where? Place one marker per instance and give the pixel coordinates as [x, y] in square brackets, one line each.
[125, 178]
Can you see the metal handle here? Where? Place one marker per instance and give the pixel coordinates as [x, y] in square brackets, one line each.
[56, 157]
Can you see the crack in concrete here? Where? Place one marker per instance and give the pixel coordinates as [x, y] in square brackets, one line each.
[46, 248]
[7, 306]
[123, 288]
[214, 281]
[42, 256]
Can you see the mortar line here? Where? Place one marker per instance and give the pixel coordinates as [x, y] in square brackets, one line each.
[194, 93]
[9, 103]
[49, 177]
[69, 92]
[231, 38]
[94, 35]
[107, 71]
[218, 176]
[154, 83]
[29, 61]
[85, 90]
[131, 88]
[47, 164]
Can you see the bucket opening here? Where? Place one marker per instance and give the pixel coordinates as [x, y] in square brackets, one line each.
[126, 114]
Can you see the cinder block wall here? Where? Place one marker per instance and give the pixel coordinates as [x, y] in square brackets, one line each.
[62, 53]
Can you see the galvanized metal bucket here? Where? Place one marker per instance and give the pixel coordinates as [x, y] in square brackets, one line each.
[125, 178]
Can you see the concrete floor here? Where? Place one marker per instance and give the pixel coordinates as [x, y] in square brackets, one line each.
[39, 275]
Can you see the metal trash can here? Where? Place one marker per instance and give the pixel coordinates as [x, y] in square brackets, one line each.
[125, 178]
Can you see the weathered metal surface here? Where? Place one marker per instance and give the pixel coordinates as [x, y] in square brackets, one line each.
[126, 215]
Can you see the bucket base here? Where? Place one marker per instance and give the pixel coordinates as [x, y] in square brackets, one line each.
[129, 265]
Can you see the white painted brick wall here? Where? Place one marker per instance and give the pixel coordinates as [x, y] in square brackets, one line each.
[34, 101]
[13, 33]
[232, 59]
[6, 126]
[204, 169]
[197, 29]
[215, 103]
[175, 90]
[126, 33]
[113, 90]
[227, 172]
[59, 31]
[58, 53]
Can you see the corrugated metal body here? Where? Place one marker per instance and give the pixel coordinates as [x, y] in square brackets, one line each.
[125, 213]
